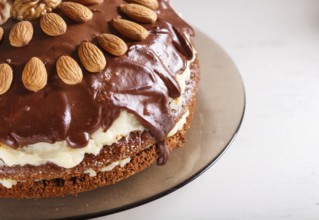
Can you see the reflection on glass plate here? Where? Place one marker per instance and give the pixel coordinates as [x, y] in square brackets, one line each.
[220, 109]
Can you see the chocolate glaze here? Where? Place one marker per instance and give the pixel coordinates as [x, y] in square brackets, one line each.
[163, 153]
[140, 82]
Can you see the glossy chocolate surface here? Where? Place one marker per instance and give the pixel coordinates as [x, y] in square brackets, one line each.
[141, 82]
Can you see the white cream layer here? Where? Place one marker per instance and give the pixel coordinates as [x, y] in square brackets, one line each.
[181, 79]
[110, 167]
[179, 125]
[9, 183]
[64, 156]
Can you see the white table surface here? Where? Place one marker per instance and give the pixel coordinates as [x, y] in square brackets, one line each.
[271, 171]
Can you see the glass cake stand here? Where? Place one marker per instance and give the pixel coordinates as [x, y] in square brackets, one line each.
[219, 113]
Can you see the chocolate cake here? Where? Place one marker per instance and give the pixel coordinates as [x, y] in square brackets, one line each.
[91, 92]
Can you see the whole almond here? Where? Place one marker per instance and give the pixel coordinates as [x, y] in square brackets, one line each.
[91, 57]
[21, 34]
[6, 77]
[52, 24]
[1, 33]
[76, 12]
[152, 4]
[130, 29]
[88, 2]
[69, 70]
[112, 44]
[34, 75]
[139, 13]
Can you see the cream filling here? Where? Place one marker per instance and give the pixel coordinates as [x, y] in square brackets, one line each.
[181, 79]
[179, 125]
[110, 167]
[8, 183]
[64, 156]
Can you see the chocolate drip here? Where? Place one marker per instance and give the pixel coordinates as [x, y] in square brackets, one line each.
[141, 82]
[163, 153]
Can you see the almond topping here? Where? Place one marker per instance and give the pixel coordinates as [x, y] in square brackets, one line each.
[1, 33]
[21, 34]
[69, 70]
[88, 2]
[139, 13]
[76, 12]
[152, 4]
[52, 24]
[6, 77]
[112, 44]
[91, 57]
[34, 75]
[130, 29]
